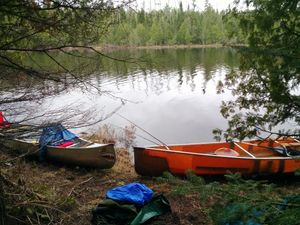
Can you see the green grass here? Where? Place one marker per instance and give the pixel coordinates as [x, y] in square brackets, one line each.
[240, 201]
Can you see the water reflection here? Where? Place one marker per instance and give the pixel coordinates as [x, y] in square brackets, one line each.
[171, 93]
[174, 108]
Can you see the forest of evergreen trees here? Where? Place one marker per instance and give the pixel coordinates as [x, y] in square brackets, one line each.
[174, 26]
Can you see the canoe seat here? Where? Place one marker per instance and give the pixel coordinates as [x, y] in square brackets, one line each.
[226, 152]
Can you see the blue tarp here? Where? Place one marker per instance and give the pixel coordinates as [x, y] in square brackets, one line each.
[134, 193]
[53, 135]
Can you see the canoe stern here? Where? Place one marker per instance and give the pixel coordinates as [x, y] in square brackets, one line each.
[148, 165]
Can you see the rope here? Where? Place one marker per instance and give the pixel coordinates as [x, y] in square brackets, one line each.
[144, 131]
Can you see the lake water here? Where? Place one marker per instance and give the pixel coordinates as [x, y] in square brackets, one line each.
[170, 93]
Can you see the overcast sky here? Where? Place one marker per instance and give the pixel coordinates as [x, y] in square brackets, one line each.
[159, 4]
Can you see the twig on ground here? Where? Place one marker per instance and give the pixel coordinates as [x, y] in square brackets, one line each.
[76, 185]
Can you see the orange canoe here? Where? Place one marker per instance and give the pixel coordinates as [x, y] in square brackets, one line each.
[252, 157]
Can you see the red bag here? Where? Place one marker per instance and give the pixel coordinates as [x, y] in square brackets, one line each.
[3, 122]
[66, 144]
[1, 119]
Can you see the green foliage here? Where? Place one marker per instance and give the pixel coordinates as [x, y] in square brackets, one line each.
[172, 26]
[169, 178]
[36, 25]
[266, 87]
[239, 201]
[28, 27]
[31, 27]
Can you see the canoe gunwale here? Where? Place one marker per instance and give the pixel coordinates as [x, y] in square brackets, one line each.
[218, 156]
[69, 147]
[79, 148]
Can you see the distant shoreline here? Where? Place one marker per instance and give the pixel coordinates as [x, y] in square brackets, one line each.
[120, 47]
[108, 48]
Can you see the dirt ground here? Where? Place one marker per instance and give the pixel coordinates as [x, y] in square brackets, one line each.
[84, 189]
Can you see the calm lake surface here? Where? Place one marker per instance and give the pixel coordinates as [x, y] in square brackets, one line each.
[170, 93]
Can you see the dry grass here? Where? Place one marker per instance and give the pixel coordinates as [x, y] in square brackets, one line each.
[43, 193]
[107, 134]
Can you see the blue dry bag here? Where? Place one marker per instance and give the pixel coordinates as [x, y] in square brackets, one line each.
[134, 193]
[53, 135]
